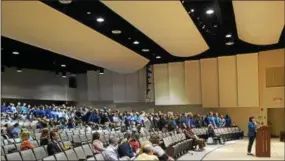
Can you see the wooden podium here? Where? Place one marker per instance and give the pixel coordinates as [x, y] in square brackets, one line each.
[262, 146]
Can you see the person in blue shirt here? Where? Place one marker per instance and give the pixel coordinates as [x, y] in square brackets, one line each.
[211, 119]
[3, 107]
[94, 117]
[251, 134]
[13, 109]
[228, 121]
[24, 109]
[217, 119]
[206, 120]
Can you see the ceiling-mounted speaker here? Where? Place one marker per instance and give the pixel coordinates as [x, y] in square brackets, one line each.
[65, 1]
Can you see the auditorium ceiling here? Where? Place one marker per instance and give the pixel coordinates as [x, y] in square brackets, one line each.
[124, 36]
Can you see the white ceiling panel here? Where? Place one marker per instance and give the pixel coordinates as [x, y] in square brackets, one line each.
[259, 22]
[165, 22]
[35, 23]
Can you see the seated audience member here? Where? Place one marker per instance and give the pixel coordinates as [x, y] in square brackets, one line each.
[110, 152]
[211, 130]
[146, 153]
[16, 130]
[157, 150]
[125, 148]
[26, 144]
[44, 137]
[53, 147]
[98, 146]
[134, 142]
[196, 140]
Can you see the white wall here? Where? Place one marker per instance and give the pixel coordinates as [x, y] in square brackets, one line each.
[115, 87]
[36, 84]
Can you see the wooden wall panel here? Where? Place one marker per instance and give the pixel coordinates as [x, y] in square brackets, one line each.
[271, 97]
[209, 82]
[193, 82]
[227, 81]
[177, 93]
[247, 74]
[161, 84]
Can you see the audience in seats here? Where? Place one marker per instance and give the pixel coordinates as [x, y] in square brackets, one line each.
[125, 149]
[26, 144]
[146, 153]
[53, 147]
[52, 120]
[196, 140]
[44, 139]
[134, 142]
[98, 146]
[110, 152]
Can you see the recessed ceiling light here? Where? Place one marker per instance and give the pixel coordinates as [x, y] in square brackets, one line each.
[215, 26]
[229, 43]
[145, 50]
[63, 65]
[192, 10]
[136, 42]
[210, 11]
[100, 19]
[203, 26]
[116, 31]
[19, 70]
[64, 76]
[129, 38]
[228, 35]
[158, 57]
[88, 13]
[15, 53]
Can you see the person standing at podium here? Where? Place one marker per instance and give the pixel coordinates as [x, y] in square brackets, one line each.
[251, 134]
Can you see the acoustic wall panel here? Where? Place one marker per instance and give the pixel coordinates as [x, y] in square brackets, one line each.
[247, 76]
[119, 87]
[132, 87]
[106, 86]
[193, 81]
[177, 93]
[227, 81]
[161, 84]
[271, 78]
[142, 85]
[209, 82]
[93, 86]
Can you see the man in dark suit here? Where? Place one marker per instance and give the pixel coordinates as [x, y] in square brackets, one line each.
[53, 147]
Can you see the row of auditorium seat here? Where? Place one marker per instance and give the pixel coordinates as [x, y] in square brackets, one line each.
[40, 153]
[177, 145]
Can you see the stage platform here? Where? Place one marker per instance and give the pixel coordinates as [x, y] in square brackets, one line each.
[234, 150]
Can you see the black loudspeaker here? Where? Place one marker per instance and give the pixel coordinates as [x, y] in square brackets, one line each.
[72, 82]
